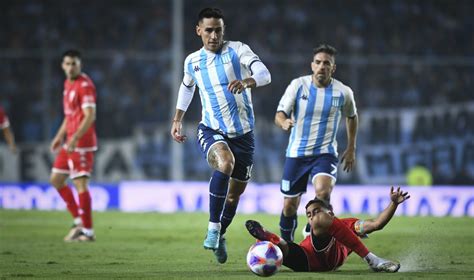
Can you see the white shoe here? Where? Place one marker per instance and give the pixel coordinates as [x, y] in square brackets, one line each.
[385, 266]
[73, 233]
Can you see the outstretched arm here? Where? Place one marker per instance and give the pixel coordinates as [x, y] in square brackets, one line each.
[397, 197]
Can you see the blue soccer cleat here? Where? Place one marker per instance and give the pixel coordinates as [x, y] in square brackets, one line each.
[221, 251]
[212, 239]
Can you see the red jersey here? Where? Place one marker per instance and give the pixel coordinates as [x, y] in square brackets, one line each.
[79, 94]
[334, 255]
[3, 119]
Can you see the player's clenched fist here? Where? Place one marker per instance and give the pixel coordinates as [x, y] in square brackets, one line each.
[237, 86]
[287, 124]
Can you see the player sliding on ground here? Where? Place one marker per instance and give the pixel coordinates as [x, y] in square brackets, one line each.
[332, 239]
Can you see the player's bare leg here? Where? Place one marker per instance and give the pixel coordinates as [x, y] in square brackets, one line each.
[58, 180]
[288, 218]
[222, 160]
[323, 186]
[85, 203]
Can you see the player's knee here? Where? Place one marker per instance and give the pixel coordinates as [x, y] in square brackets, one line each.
[323, 194]
[55, 181]
[226, 164]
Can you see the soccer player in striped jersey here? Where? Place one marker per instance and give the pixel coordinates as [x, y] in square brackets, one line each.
[311, 109]
[225, 72]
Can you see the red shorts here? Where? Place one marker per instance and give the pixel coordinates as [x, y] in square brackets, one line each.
[75, 164]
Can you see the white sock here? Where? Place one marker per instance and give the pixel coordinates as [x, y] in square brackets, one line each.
[77, 221]
[371, 259]
[88, 231]
[214, 226]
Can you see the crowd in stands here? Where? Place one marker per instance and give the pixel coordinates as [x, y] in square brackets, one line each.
[392, 53]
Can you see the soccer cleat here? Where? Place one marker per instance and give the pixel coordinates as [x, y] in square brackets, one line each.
[82, 237]
[221, 251]
[212, 239]
[256, 230]
[73, 233]
[385, 266]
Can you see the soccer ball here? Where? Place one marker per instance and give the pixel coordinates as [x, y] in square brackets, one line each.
[264, 258]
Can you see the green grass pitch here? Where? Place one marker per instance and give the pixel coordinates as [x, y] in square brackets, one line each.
[169, 246]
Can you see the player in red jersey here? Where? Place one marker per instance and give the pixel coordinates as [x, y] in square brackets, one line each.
[76, 155]
[332, 239]
[7, 132]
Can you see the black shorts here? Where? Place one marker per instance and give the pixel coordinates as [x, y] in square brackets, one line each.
[296, 258]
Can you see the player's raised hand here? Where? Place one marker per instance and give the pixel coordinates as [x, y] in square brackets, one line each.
[287, 124]
[398, 196]
[176, 131]
[237, 86]
[348, 158]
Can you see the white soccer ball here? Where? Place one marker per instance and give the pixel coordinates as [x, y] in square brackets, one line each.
[264, 258]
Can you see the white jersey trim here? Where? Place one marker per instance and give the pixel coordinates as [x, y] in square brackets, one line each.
[82, 149]
[85, 105]
[80, 174]
[293, 195]
[323, 174]
[60, 171]
[5, 124]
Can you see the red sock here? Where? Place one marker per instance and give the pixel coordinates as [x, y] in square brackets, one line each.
[347, 237]
[86, 207]
[66, 194]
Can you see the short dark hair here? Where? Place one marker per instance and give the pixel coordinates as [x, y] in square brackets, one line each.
[324, 203]
[72, 53]
[325, 48]
[210, 13]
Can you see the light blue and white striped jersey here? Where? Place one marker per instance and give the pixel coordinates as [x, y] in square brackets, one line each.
[317, 113]
[223, 111]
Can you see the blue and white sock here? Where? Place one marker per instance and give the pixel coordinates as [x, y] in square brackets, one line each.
[218, 187]
[227, 216]
[288, 226]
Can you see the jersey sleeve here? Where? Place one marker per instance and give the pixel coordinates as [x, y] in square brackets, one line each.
[349, 109]
[246, 55]
[188, 78]
[287, 101]
[87, 95]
